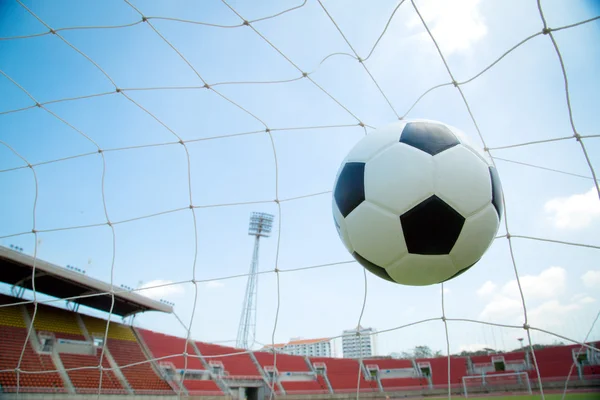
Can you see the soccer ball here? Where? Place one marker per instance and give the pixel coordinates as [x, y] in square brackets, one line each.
[415, 203]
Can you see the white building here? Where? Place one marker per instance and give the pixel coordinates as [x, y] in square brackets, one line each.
[359, 343]
[304, 347]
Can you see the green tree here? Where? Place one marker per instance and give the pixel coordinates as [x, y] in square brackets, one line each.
[422, 352]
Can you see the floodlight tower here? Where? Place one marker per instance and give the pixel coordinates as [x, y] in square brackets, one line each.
[260, 226]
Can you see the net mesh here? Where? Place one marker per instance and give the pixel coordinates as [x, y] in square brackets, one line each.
[219, 90]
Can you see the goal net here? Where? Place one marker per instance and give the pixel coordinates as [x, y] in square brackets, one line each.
[496, 382]
[137, 138]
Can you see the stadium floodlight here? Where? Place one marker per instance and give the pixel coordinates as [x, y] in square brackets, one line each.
[261, 225]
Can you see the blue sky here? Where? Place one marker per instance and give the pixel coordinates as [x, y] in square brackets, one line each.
[520, 99]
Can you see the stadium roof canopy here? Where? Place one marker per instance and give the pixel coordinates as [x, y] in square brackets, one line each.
[16, 269]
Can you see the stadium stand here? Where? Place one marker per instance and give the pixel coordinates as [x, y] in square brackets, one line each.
[285, 362]
[204, 387]
[13, 335]
[170, 349]
[389, 363]
[62, 323]
[554, 362]
[343, 374]
[239, 365]
[439, 370]
[404, 383]
[514, 356]
[88, 380]
[295, 374]
[96, 327]
[591, 372]
[313, 387]
[125, 350]
[141, 377]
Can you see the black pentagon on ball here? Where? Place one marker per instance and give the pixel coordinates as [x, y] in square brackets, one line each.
[373, 268]
[429, 137]
[350, 187]
[431, 227]
[496, 192]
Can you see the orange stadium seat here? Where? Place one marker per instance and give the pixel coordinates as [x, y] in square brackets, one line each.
[62, 323]
[389, 363]
[141, 377]
[170, 349]
[312, 387]
[405, 383]
[88, 380]
[343, 375]
[125, 350]
[285, 362]
[439, 370]
[13, 339]
[202, 387]
[554, 362]
[237, 365]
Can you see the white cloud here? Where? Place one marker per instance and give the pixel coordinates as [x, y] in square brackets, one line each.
[487, 288]
[161, 292]
[501, 308]
[455, 25]
[552, 314]
[446, 291]
[214, 284]
[574, 212]
[582, 298]
[544, 298]
[591, 279]
[547, 284]
[507, 303]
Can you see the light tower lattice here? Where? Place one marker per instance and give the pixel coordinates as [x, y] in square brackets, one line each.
[260, 226]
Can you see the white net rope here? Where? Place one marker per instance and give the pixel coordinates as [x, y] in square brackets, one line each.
[214, 88]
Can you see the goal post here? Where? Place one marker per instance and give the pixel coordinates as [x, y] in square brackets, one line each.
[513, 381]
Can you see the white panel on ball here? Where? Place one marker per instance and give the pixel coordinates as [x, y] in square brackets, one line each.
[376, 234]
[375, 142]
[399, 178]
[467, 142]
[340, 225]
[462, 180]
[476, 236]
[421, 270]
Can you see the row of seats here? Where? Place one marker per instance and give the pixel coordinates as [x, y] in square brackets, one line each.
[284, 362]
[170, 349]
[89, 378]
[62, 323]
[318, 386]
[389, 363]
[439, 370]
[236, 365]
[413, 383]
[141, 377]
[202, 387]
[15, 346]
[554, 362]
[343, 374]
[97, 327]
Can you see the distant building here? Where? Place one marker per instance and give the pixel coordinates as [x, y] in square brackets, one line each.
[304, 347]
[359, 345]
